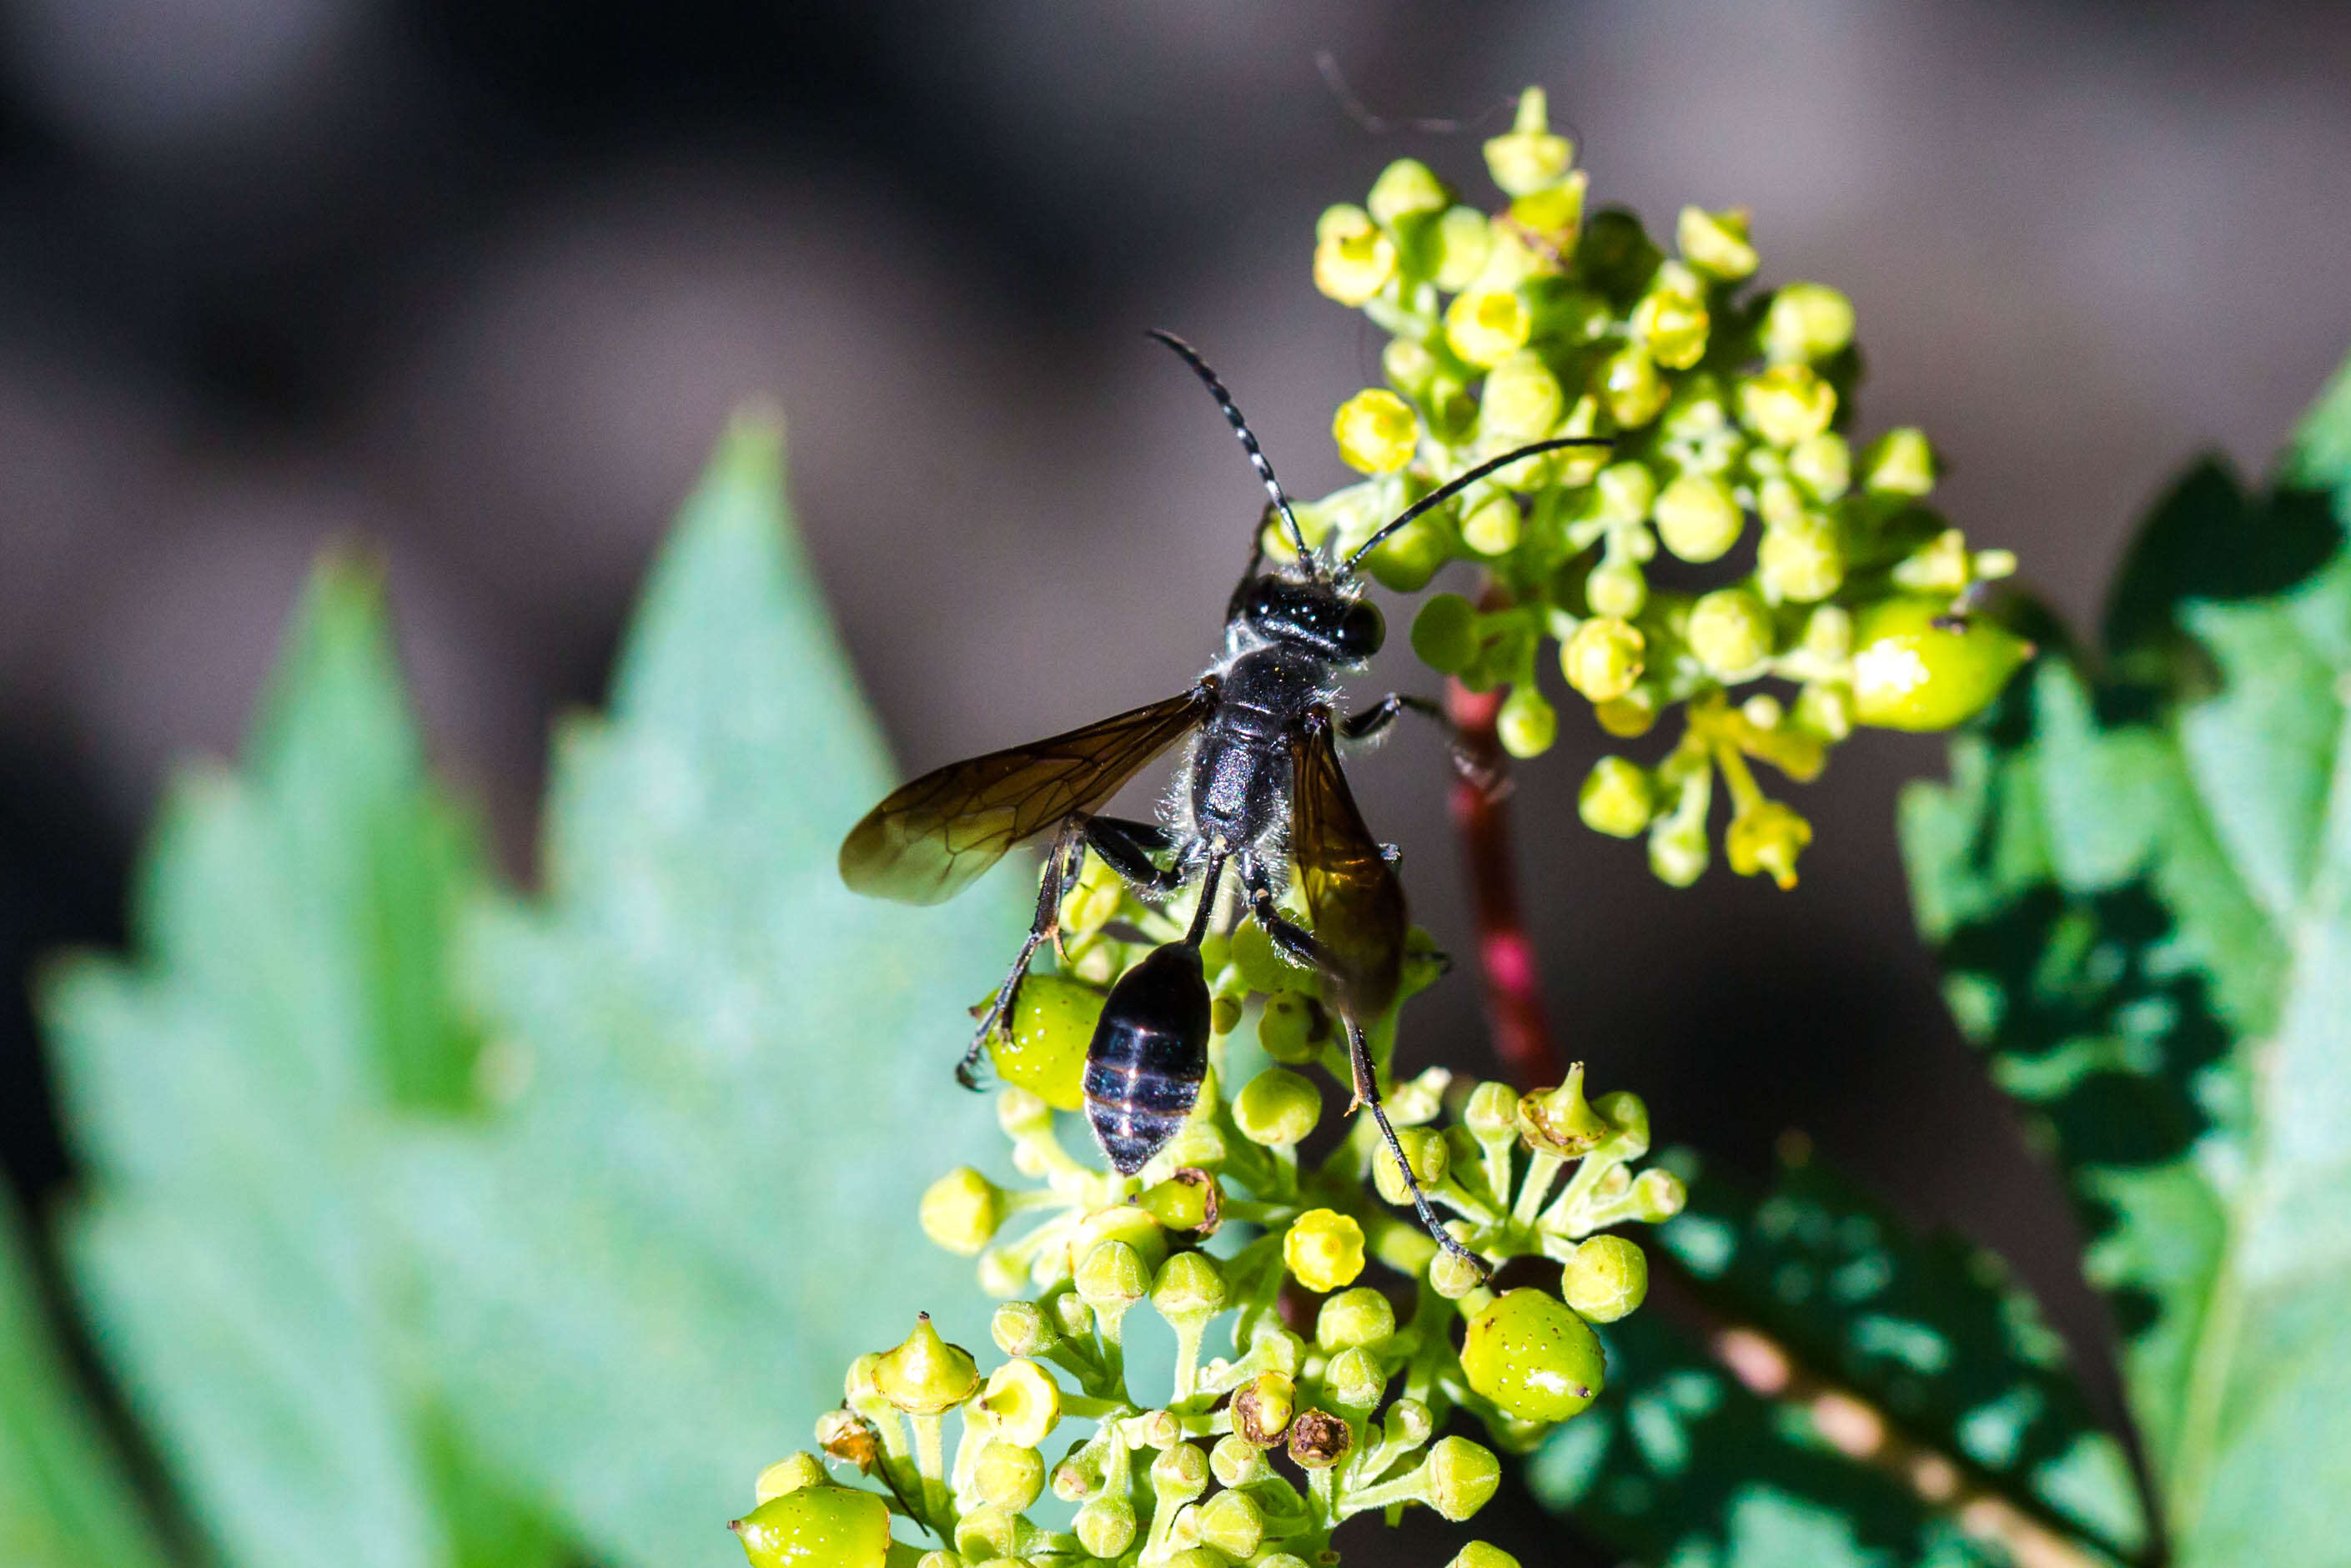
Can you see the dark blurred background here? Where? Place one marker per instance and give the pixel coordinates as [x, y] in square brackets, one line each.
[478, 282]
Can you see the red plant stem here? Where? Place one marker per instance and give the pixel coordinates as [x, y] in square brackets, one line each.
[1506, 954]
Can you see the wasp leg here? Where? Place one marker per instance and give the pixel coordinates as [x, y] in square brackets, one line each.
[1062, 864]
[1367, 1096]
[1376, 719]
[1294, 940]
[1126, 847]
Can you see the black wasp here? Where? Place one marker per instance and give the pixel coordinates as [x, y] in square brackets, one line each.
[1265, 797]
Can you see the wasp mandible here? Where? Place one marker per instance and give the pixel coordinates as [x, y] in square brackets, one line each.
[1263, 797]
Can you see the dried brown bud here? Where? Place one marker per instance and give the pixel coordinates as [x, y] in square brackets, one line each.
[1262, 1409]
[1319, 1439]
[847, 1436]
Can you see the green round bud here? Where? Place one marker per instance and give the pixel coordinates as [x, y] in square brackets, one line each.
[1195, 1556]
[1527, 725]
[1464, 241]
[1409, 367]
[1113, 1277]
[1730, 633]
[1281, 1560]
[1461, 1476]
[1120, 1222]
[1022, 1405]
[1425, 1147]
[1671, 320]
[1716, 243]
[1021, 1113]
[1478, 1554]
[1410, 1422]
[1624, 492]
[1806, 321]
[1628, 1115]
[1825, 710]
[1698, 518]
[1376, 431]
[1010, 1477]
[1045, 1051]
[817, 1527]
[1803, 561]
[1530, 157]
[1767, 837]
[1021, 1328]
[1678, 851]
[1353, 260]
[1235, 1462]
[1407, 559]
[1658, 1195]
[1603, 659]
[1453, 1276]
[1353, 1381]
[1616, 588]
[1618, 798]
[1628, 382]
[1445, 632]
[1293, 1027]
[1487, 326]
[1323, 1248]
[961, 1210]
[1491, 527]
[1406, 189]
[1106, 1526]
[1190, 1287]
[1002, 1274]
[1532, 1356]
[1231, 1522]
[789, 1475]
[1915, 668]
[925, 1376]
[1361, 1316]
[1522, 401]
[1180, 1472]
[1822, 466]
[1277, 1107]
[1786, 404]
[1605, 1278]
[1181, 1202]
[1900, 464]
[1491, 1111]
[1828, 631]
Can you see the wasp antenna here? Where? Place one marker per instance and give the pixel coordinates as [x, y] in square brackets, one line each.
[1191, 357]
[1462, 482]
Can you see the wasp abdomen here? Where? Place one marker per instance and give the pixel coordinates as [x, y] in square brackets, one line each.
[1148, 1055]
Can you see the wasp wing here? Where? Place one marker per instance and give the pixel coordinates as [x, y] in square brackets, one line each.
[934, 837]
[1352, 895]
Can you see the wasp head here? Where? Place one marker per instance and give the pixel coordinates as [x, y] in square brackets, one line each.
[1315, 613]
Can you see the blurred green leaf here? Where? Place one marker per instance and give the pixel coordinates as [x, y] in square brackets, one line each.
[63, 1500]
[728, 1077]
[2139, 881]
[230, 1090]
[1681, 1463]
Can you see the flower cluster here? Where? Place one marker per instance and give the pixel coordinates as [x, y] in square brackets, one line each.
[1345, 1337]
[1726, 413]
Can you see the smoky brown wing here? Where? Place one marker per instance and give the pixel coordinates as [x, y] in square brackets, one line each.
[1352, 893]
[934, 837]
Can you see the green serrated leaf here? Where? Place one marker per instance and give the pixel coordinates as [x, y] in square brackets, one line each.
[2167, 982]
[728, 1077]
[230, 1088]
[63, 1500]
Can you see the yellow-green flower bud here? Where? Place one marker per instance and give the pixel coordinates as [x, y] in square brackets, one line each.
[1425, 1147]
[925, 1376]
[1478, 1554]
[1699, 518]
[1554, 214]
[1782, 502]
[1044, 1050]
[1628, 382]
[1462, 1477]
[1355, 1317]
[1232, 1523]
[1491, 1112]
[1914, 669]
[1021, 1328]
[1325, 1248]
[1562, 1120]
[1603, 660]
[789, 1475]
[1616, 588]
[1823, 465]
[1407, 559]
[837, 1526]
[1899, 463]
[1277, 1107]
[1113, 1277]
[1106, 1526]
[1491, 527]
[1618, 798]
[1530, 156]
[1825, 710]
[1406, 189]
[1353, 259]
[1605, 1278]
[1532, 1356]
[1262, 1407]
[1002, 1272]
[1522, 401]
[1021, 1405]
[1120, 1222]
[1527, 725]
[1376, 431]
[1658, 1195]
[1801, 561]
[1716, 242]
[1319, 1439]
[1677, 850]
[1464, 240]
[1453, 1276]
[1730, 633]
[1194, 1556]
[1009, 1475]
[858, 1384]
[961, 1210]
[1624, 492]
[1806, 323]
[1281, 1560]
[1190, 1288]
[1487, 326]
[1293, 1026]
[1156, 1429]
[1444, 638]
[1235, 1462]
[1767, 837]
[1021, 1113]
[1354, 1381]
[1671, 320]
[1786, 404]
[1409, 367]
[1184, 1201]
[1628, 1114]
[1181, 1472]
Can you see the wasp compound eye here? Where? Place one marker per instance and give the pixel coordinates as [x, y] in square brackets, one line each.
[1149, 1053]
[1361, 629]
